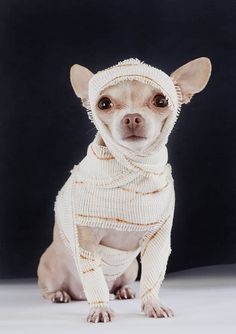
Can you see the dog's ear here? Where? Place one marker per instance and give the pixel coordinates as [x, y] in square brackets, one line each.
[79, 78]
[192, 77]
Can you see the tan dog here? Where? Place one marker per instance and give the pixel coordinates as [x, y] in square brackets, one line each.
[135, 113]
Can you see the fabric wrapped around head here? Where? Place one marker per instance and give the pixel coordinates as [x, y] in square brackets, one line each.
[134, 69]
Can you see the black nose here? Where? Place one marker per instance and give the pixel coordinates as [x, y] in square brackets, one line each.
[132, 120]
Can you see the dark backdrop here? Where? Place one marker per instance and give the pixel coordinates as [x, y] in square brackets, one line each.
[44, 130]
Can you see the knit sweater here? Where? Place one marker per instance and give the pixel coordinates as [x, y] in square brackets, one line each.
[112, 187]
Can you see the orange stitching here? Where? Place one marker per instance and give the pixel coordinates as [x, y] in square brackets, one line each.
[142, 193]
[153, 236]
[134, 191]
[117, 219]
[152, 287]
[87, 271]
[100, 158]
[99, 302]
[86, 258]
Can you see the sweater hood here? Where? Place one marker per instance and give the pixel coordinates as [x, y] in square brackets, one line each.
[134, 69]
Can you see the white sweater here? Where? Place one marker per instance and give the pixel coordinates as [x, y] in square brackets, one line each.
[114, 188]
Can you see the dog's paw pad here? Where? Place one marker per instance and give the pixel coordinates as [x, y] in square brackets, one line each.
[125, 292]
[60, 296]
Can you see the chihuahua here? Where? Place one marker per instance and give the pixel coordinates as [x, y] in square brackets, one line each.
[135, 114]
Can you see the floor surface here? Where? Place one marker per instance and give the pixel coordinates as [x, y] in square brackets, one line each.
[203, 299]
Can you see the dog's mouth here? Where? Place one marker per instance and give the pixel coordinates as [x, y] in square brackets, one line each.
[134, 138]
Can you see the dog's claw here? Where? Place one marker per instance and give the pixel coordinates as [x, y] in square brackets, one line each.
[156, 309]
[100, 314]
[125, 292]
[60, 296]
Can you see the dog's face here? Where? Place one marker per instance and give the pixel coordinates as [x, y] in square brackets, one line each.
[135, 112]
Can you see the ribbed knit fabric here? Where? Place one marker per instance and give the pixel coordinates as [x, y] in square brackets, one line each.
[112, 187]
[155, 251]
[107, 195]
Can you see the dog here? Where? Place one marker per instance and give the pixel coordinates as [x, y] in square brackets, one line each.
[131, 116]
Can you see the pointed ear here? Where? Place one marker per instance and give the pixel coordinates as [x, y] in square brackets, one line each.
[192, 77]
[79, 78]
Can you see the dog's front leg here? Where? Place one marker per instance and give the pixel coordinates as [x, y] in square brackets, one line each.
[92, 277]
[155, 251]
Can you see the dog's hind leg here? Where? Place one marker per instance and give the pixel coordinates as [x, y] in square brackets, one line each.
[51, 278]
[122, 285]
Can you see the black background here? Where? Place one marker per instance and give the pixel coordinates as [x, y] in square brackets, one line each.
[44, 130]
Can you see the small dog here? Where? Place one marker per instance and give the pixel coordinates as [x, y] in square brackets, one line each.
[134, 107]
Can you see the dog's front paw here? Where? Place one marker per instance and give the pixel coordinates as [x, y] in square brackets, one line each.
[154, 309]
[100, 314]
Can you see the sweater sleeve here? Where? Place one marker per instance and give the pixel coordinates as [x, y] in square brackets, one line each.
[155, 251]
[92, 278]
[88, 263]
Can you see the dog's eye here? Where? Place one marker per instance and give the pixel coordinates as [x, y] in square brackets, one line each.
[104, 103]
[160, 101]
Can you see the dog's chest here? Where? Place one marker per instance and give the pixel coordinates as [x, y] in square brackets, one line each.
[127, 241]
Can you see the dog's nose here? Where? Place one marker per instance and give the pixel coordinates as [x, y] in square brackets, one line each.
[132, 120]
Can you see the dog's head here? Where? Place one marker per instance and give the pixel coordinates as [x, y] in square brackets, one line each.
[135, 112]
